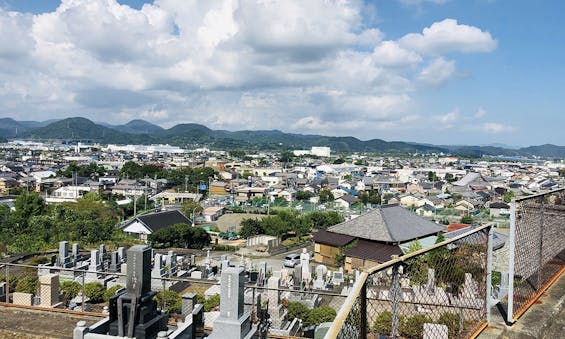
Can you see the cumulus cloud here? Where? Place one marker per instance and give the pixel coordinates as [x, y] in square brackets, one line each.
[311, 66]
[389, 53]
[481, 112]
[437, 73]
[419, 2]
[495, 128]
[448, 120]
[449, 36]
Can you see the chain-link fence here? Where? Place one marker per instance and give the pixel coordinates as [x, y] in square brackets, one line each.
[435, 292]
[292, 311]
[537, 248]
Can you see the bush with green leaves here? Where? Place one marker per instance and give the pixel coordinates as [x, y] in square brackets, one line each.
[171, 299]
[383, 323]
[413, 327]
[12, 281]
[27, 284]
[297, 310]
[70, 288]
[95, 291]
[211, 303]
[319, 315]
[451, 320]
[111, 291]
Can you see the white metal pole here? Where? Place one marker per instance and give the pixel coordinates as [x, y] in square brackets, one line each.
[511, 253]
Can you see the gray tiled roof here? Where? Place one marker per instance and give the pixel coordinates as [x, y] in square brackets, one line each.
[390, 223]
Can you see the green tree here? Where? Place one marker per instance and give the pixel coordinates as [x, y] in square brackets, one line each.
[95, 291]
[212, 302]
[250, 228]
[27, 284]
[383, 323]
[189, 207]
[413, 327]
[286, 157]
[70, 288]
[325, 196]
[467, 219]
[297, 310]
[508, 196]
[180, 235]
[303, 195]
[319, 315]
[111, 291]
[170, 299]
[27, 205]
[452, 321]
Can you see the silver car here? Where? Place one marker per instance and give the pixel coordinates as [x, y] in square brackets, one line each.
[291, 260]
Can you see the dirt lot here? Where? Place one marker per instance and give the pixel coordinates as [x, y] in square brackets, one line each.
[234, 219]
[20, 323]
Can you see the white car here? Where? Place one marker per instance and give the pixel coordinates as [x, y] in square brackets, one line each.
[291, 260]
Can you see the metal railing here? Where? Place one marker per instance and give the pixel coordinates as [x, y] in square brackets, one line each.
[437, 291]
[86, 292]
[537, 248]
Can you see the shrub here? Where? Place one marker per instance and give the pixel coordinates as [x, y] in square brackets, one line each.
[383, 323]
[12, 281]
[451, 320]
[27, 284]
[212, 302]
[171, 299]
[319, 315]
[297, 310]
[413, 327]
[111, 291]
[95, 291]
[70, 288]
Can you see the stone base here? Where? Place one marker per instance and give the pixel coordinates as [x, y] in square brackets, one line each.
[227, 328]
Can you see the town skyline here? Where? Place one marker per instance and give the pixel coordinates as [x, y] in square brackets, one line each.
[437, 72]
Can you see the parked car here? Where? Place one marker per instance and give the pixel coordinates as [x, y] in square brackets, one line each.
[291, 260]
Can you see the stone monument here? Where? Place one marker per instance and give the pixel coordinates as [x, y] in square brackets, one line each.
[233, 322]
[49, 290]
[133, 313]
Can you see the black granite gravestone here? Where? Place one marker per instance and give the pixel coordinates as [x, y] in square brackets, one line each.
[134, 313]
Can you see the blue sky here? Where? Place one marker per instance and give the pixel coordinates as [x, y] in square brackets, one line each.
[432, 71]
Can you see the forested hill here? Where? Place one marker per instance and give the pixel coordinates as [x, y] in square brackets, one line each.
[143, 132]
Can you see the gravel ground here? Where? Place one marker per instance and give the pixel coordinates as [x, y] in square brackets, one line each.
[20, 323]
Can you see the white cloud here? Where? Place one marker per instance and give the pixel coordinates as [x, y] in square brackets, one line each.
[495, 128]
[419, 2]
[437, 73]
[449, 36]
[448, 120]
[301, 66]
[389, 53]
[481, 112]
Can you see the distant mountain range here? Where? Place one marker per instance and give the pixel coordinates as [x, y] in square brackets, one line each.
[142, 132]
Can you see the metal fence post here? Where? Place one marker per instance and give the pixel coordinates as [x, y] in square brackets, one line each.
[83, 306]
[7, 283]
[363, 311]
[541, 243]
[511, 253]
[395, 289]
[489, 273]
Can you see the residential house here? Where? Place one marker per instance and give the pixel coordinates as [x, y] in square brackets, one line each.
[372, 237]
[498, 209]
[144, 225]
[346, 201]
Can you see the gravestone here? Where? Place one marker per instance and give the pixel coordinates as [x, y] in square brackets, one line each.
[171, 262]
[122, 254]
[2, 291]
[196, 274]
[275, 309]
[75, 252]
[233, 322]
[188, 303]
[49, 290]
[64, 258]
[431, 283]
[321, 270]
[133, 313]
[192, 260]
[298, 275]
[435, 331]
[305, 262]
[95, 261]
[20, 298]
[114, 262]
[102, 254]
